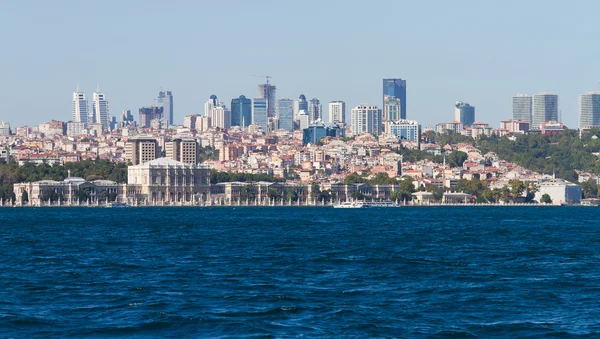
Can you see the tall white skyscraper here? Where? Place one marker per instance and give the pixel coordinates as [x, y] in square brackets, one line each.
[80, 107]
[366, 119]
[100, 109]
[522, 107]
[589, 110]
[337, 111]
[545, 108]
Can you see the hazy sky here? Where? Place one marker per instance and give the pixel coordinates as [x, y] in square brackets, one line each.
[481, 52]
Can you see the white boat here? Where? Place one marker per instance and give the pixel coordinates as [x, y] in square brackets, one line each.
[353, 204]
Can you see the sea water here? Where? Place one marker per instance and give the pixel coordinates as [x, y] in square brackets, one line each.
[182, 272]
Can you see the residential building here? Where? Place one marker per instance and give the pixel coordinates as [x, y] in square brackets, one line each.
[220, 116]
[366, 119]
[589, 110]
[545, 108]
[76, 128]
[315, 110]
[4, 129]
[449, 127]
[522, 106]
[184, 150]
[141, 149]
[268, 92]
[464, 113]
[80, 107]
[189, 121]
[337, 112]
[514, 126]
[203, 123]
[241, 111]
[395, 89]
[165, 100]
[405, 129]
[285, 113]
[259, 113]
[303, 120]
[210, 104]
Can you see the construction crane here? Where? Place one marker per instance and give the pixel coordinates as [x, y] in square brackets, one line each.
[264, 76]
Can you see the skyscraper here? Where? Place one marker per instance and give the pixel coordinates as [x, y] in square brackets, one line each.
[209, 104]
[285, 113]
[241, 111]
[165, 100]
[80, 107]
[337, 111]
[522, 107]
[147, 114]
[300, 105]
[464, 113]
[366, 119]
[315, 110]
[395, 88]
[100, 109]
[589, 110]
[259, 113]
[545, 108]
[268, 91]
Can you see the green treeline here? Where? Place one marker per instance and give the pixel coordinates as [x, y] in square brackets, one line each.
[11, 173]
[561, 154]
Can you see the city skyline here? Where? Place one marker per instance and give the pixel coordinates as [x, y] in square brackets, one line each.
[442, 65]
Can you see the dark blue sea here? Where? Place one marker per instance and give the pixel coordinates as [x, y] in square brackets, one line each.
[239, 272]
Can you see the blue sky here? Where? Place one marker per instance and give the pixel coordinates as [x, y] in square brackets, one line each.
[481, 52]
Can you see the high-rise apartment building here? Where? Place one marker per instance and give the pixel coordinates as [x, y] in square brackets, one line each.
[285, 113]
[337, 112]
[99, 109]
[165, 100]
[268, 92]
[300, 105]
[220, 116]
[366, 119]
[140, 150]
[259, 113]
[189, 121]
[315, 110]
[395, 89]
[464, 113]
[589, 110]
[210, 103]
[80, 107]
[545, 108]
[241, 111]
[522, 106]
[184, 150]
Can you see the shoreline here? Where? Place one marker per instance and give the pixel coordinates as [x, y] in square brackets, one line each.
[276, 206]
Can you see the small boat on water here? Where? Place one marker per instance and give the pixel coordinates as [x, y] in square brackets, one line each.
[351, 204]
